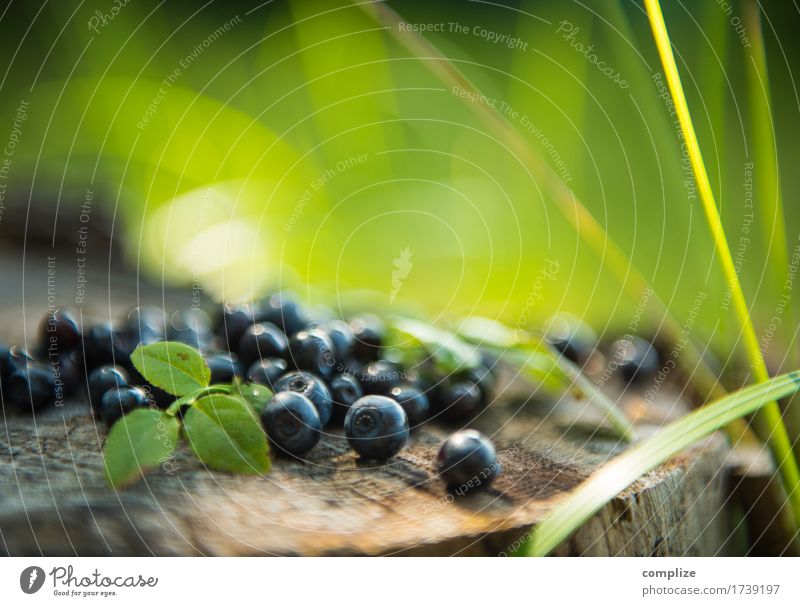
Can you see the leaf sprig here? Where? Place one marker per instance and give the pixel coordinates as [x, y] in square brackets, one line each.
[220, 422]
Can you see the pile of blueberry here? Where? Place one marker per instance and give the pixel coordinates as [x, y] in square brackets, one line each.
[323, 373]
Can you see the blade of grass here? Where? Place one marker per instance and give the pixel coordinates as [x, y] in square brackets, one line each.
[587, 227]
[618, 474]
[769, 196]
[769, 425]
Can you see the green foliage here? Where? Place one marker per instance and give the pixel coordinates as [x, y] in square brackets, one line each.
[174, 367]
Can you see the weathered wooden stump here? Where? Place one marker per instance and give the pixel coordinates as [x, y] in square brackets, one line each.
[54, 501]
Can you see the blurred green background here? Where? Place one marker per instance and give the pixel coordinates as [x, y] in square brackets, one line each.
[236, 146]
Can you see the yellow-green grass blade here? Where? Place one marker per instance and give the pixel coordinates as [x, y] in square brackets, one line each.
[769, 425]
[622, 471]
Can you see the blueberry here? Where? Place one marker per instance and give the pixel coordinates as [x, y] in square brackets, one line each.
[636, 359]
[459, 401]
[224, 367]
[413, 401]
[102, 344]
[284, 313]
[31, 387]
[120, 401]
[70, 372]
[292, 423]
[59, 332]
[467, 460]
[376, 427]
[312, 350]
[102, 380]
[572, 337]
[345, 390]
[479, 375]
[144, 325]
[12, 359]
[190, 326]
[368, 332]
[267, 371]
[236, 318]
[311, 387]
[259, 341]
[342, 337]
[380, 376]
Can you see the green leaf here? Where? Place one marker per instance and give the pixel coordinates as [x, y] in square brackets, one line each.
[174, 367]
[224, 433]
[254, 394]
[138, 441]
[449, 352]
[622, 471]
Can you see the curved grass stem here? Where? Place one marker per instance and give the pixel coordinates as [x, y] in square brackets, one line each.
[769, 423]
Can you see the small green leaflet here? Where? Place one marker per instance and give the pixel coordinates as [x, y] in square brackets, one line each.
[174, 367]
[451, 353]
[139, 441]
[254, 394]
[224, 433]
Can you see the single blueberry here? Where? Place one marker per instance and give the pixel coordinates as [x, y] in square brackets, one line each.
[380, 376]
[12, 359]
[369, 332]
[120, 401]
[458, 402]
[572, 337]
[59, 332]
[32, 387]
[104, 379]
[342, 337]
[376, 427]
[312, 387]
[224, 367]
[636, 359]
[292, 423]
[312, 350]
[192, 327]
[259, 341]
[345, 390]
[144, 325]
[267, 371]
[69, 372]
[281, 310]
[414, 402]
[235, 319]
[467, 461]
[102, 344]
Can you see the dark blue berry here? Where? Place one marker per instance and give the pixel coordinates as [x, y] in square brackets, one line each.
[284, 313]
[267, 371]
[31, 388]
[102, 344]
[292, 423]
[104, 379]
[414, 402]
[312, 350]
[380, 376]
[572, 337]
[59, 332]
[224, 367]
[368, 332]
[636, 359]
[192, 327]
[311, 387]
[259, 341]
[120, 401]
[235, 320]
[345, 390]
[376, 427]
[144, 325]
[69, 372]
[342, 337]
[459, 402]
[467, 461]
[12, 359]
[481, 376]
